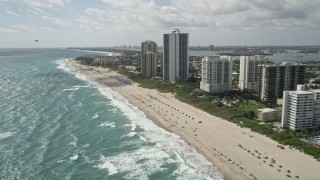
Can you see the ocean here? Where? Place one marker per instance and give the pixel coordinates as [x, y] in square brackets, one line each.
[56, 123]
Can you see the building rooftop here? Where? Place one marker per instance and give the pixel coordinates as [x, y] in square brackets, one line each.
[315, 90]
[283, 64]
[267, 110]
[301, 92]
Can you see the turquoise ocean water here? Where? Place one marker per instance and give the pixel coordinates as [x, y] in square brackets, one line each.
[56, 123]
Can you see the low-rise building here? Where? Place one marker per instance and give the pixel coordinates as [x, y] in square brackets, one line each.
[268, 114]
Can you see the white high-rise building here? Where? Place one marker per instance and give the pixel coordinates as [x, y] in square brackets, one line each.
[176, 56]
[301, 110]
[249, 74]
[216, 75]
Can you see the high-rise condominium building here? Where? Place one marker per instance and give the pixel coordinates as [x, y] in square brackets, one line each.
[301, 110]
[216, 74]
[148, 53]
[149, 46]
[250, 72]
[176, 56]
[277, 78]
[149, 61]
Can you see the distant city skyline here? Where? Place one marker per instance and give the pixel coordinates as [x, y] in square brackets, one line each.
[105, 23]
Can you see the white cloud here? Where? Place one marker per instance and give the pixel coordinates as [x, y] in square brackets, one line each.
[228, 13]
[230, 22]
[91, 25]
[127, 4]
[212, 19]
[32, 11]
[46, 30]
[7, 30]
[25, 28]
[57, 21]
[12, 13]
[39, 5]
[213, 14]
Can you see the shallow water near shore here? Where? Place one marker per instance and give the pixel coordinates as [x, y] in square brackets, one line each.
[56, 123]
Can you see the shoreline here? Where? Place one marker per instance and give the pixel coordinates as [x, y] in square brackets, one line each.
[99, 52]
[236, 152]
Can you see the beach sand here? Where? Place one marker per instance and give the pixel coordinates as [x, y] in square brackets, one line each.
[237, 152]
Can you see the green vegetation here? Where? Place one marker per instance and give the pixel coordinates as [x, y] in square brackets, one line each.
[309, 75]
[87, 61]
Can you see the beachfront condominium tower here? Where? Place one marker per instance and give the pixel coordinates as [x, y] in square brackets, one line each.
[176, 56]
[249, 74]
[147, 48]
[149, 61]
[277, 78]
[301, 110]
[216, 75]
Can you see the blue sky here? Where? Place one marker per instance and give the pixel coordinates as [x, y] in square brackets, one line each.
[78, 23]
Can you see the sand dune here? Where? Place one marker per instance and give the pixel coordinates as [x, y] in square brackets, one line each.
[237, 152]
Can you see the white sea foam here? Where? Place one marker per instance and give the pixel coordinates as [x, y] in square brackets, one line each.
[75, 88]
[108, 124]
[96, 115]
[105, 103]
[61, 161]
[6, 134]
[130, 162]
[82, 86]
[73, 144]
[169, 148]
[71, 89]
[131, 134]
[74, 157]
[79, 104]
[74, 140]
[86, 145]
[133, 126]
[114, 110]
[142, 138]
[65, 65]
[105, 164]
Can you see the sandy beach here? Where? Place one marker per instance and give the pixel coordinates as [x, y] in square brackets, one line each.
[237, 152]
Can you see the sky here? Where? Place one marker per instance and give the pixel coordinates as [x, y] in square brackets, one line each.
[105, 23]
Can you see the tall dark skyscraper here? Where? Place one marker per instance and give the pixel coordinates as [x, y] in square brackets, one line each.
[277, 78]
[176, 56]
